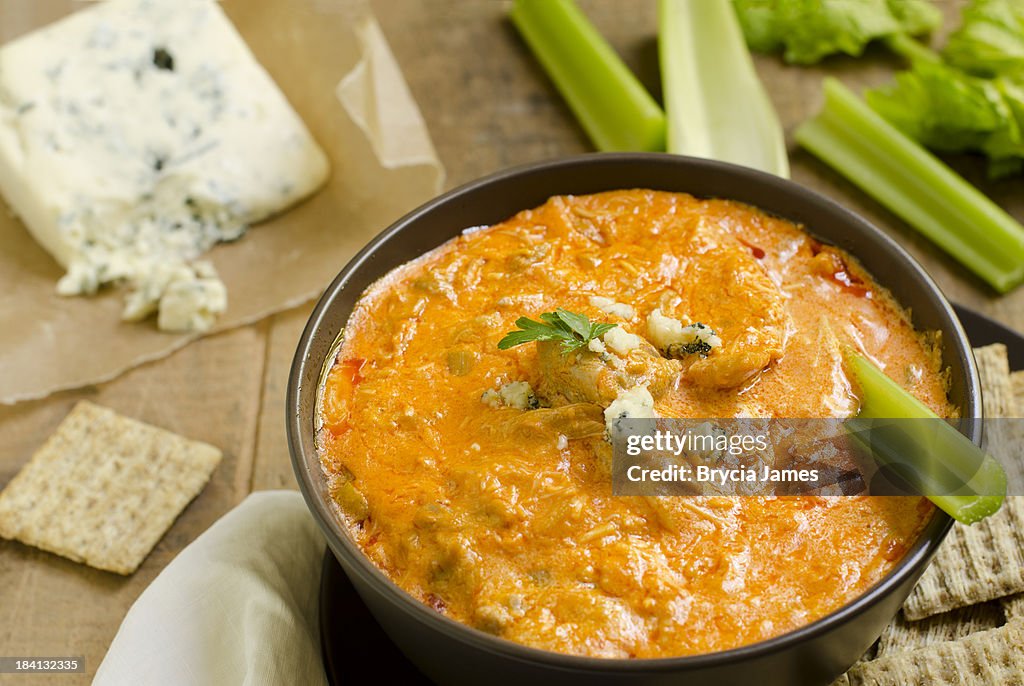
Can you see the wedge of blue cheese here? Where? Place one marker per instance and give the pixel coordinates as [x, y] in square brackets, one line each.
[137, 134]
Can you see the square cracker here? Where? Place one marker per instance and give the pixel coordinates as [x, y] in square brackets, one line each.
[983, 561]
[902, 635]
[1013, 607]
[976, 563]
[1017, 383]
[997, 388]
[103, 488]
[987, 657]
[1012, 438]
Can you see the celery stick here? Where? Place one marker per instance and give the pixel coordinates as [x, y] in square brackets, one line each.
[716, 106]
[916, 186]
[929, 447]
[614, 108]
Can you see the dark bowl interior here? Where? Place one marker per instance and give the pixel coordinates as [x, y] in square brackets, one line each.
[451, 652]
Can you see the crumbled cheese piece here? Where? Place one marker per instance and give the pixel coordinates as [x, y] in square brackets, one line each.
[192, 305]
[621, 341]
[517, 394]
[492, 618]
[609, 306]
[701, 333]
[135, 135]
[596, 345]
[665, 332]
[188, 297]
[634, 403]
[517, 604]
[563, 441]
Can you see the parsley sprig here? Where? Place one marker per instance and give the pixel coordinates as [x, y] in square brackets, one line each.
[573, 330]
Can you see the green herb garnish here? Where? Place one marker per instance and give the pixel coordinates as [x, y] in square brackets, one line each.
[573, 330]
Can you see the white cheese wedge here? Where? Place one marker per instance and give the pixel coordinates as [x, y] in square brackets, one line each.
[135, 135]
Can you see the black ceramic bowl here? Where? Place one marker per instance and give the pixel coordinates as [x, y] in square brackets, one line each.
[452, 653]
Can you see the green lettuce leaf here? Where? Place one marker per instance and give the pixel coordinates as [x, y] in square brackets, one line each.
[1006, 146]
[990, 40]
[947, 110]
[917, 17]
[940, 107]
[761, 21]
[809, 30]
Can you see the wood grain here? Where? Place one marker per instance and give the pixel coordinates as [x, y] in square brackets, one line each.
[272, 464]
[209, 391]
[488, 106]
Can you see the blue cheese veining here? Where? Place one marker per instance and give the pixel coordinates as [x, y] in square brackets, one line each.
[135, 135]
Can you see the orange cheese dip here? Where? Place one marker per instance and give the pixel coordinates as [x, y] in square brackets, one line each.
[501, 516]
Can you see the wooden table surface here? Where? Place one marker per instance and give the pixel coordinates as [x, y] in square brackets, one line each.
[488, 106]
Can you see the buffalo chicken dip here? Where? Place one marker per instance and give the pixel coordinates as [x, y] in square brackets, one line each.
[464, 423]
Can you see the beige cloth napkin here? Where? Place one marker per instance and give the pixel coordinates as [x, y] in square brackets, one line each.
[237, 606]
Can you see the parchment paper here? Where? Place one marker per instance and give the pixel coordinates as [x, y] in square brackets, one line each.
[332, 62]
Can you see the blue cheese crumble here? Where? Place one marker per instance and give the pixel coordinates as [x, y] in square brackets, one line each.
[620, 341]
[609, 306]
[674, 339]
[517, 394]
[634, 403]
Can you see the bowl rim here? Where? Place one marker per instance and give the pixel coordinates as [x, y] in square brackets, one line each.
[355, 561]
